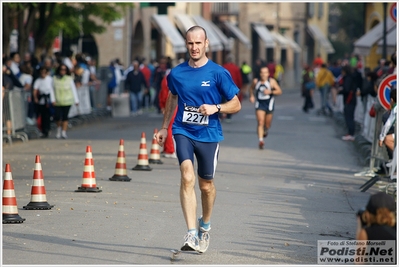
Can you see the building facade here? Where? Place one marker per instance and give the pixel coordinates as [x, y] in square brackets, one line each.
[287, 33]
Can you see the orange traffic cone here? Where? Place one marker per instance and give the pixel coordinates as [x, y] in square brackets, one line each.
[120, 166]
[10, 209]
[155, 155]
[38, 200]
[142, 164]
[89, 176]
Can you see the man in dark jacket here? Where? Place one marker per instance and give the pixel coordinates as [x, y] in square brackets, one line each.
[348, 90]
[133, 84]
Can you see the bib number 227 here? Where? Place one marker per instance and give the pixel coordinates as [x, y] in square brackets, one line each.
[191, 115]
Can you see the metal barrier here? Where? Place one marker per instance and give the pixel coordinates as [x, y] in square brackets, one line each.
[14, 115]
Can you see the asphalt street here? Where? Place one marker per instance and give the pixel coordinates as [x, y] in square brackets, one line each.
[272, 205]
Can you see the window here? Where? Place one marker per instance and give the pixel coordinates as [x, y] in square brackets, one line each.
[311, 10]
[320, 12]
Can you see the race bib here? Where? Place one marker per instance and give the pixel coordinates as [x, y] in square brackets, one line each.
[192, 116]
[261, 95]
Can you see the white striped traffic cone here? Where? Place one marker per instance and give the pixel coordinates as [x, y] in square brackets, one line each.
[10, 209]
[38, 200]
[142, 164]
[89, 176]
[155, 154]
[120, 166]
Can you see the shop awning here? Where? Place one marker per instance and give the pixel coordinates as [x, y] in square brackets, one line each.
[165, 26]
[281, 40]
[185, 22]
[215, 42]
[370, 38]
[265, 35]
[228, 45]
[238, 34]
[318, 35]
[294, 45]
[391, 42]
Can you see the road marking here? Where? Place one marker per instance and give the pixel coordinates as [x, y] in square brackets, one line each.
[317, 119]
[285, 118]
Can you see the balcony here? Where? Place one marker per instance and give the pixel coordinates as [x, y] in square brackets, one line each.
[225, 8]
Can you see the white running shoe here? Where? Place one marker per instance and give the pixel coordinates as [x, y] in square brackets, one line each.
[203, 237]
[63, 135]
[190, 242]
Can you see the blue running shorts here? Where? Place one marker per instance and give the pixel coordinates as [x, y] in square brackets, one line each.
[206, 154]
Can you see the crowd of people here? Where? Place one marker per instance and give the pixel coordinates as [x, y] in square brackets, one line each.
[348, 77]
[50, 85]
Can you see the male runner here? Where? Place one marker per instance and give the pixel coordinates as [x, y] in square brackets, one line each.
[197, 87]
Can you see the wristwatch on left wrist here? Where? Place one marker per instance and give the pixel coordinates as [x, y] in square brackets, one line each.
[218, 107]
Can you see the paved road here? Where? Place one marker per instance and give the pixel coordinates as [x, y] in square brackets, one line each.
[271, 208]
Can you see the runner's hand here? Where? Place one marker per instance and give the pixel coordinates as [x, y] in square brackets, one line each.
[161, 136]
[207, 110]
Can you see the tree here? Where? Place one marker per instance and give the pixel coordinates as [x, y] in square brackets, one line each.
[347, 25]
[44, 21]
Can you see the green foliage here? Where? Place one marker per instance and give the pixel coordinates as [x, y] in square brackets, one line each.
[351, 19]
[70, 18]
[341, 48]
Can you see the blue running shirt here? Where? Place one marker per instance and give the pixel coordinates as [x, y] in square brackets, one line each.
[197, 86]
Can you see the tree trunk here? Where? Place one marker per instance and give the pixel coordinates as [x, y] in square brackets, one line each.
[45, 19]
[7, 28]
[25, 28]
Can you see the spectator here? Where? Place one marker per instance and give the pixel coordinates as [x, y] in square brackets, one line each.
[113, 84]
[336, 71]
[392, 69]
[271, 65]
[380, 69]
[278, 75]
[7, 84]
[308, 86]
[370, 88]
[146, 102]
[245, 72]
[7, 81]
[353, 61]
[15, 64]
[94, 82]
[235, 73]
[65, 96]
[134, 84]
[378, 220]
[10, 74]
[168, 147]
[387, 135]
[324, 81]
[26, 79]
[318, 61]
[348, 90]
[69, 60]
[158, 76]
[43, 92]
[256, 69]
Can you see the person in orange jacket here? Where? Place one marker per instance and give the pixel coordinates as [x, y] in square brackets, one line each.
[168, 147]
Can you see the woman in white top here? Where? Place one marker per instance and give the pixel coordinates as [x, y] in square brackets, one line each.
[43, 95]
